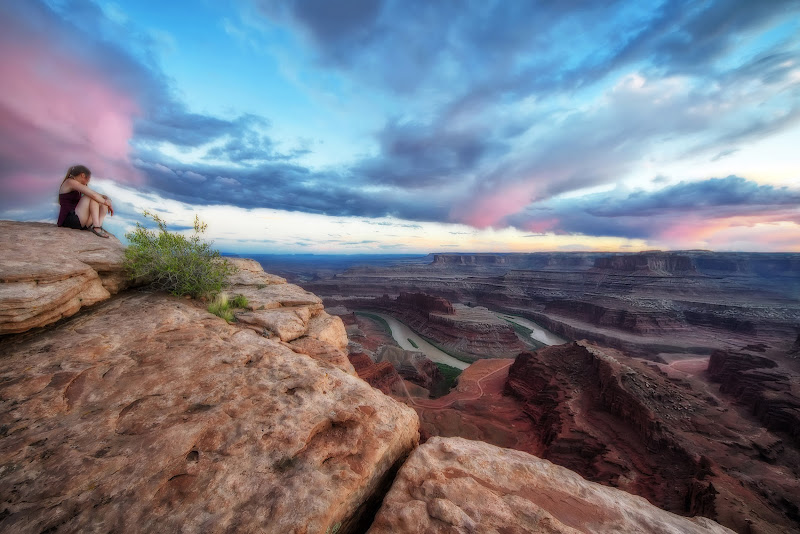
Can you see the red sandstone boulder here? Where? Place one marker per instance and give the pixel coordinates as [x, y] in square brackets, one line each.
[47, 273]
[151, 415]
[457, 485]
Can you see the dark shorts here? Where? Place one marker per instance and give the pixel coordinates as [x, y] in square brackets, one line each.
[72, 221]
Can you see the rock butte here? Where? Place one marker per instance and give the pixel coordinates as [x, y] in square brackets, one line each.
[142, 412]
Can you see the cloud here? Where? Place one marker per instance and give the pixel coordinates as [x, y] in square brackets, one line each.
[415, 155]
[55, 109]
[489, 115]
[676, 212]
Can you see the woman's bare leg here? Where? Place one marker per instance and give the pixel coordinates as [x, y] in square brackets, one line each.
[91, 212]
[102, 211]
[94, 211]
[83, 210]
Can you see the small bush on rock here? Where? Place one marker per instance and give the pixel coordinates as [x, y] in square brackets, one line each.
[223, 307]
[173, 262]
[239, 301]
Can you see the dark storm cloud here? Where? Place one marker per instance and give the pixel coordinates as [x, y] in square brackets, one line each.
[418, 155]
[645, 214]
[730, 192]
[281, 186]
[333, 26]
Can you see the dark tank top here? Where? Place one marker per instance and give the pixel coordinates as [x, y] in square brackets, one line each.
[68, 202]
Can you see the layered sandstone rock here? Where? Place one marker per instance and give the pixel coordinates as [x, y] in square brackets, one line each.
[382, 376]
[151, 415]
[661, 434]
[456, 485]
[426, 303]
[470, 332]
[286, 312]
[47, 273]
[653, 263]
[770, 391]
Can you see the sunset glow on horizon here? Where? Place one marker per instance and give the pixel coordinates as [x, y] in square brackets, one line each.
[375, 126]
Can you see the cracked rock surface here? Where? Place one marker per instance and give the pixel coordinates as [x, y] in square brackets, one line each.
[454, 485]
[47, 273]
[147, 414]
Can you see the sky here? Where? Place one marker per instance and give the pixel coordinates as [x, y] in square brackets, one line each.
[413, 126]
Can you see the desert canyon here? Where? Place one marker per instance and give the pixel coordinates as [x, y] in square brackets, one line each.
[672, 405]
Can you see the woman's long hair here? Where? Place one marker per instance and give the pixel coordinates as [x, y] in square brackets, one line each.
[76, 170]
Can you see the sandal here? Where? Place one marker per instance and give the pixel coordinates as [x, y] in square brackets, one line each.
[98, 230]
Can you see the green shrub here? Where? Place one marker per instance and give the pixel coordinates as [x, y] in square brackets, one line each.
[174, 263]
[222, 311]
[239, 301]
[450, 374]
[222, 306]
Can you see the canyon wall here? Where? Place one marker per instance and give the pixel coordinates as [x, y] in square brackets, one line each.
[629, 424]
[645, 303]
[770, 391]
[468, 332]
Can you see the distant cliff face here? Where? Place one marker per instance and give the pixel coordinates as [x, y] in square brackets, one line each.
[426, 303]
[650, 302]
[647, 263]
[469, 259]
[770, 391]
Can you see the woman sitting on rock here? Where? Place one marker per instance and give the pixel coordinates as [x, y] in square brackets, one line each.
[82, 208]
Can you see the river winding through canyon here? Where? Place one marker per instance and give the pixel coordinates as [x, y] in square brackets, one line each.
[404, 335]
[538, 332]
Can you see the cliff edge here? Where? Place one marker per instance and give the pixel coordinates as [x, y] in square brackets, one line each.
[145, 413]
[47, 273]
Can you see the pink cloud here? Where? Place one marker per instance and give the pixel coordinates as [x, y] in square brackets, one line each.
[763, 232]
[491, 209]
[56, 110]
[541, 226]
